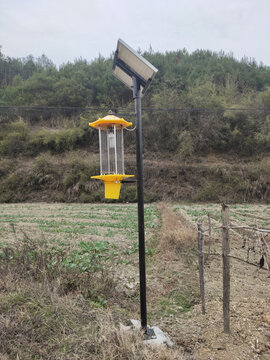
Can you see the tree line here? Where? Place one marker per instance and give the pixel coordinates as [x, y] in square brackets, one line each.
[199, 80]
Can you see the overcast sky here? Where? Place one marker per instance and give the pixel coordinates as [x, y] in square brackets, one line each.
[64, 30]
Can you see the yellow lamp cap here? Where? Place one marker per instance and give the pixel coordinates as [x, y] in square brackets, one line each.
[110, 120]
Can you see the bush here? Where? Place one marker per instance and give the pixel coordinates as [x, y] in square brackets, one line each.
[13, 138]
[94, 196]
[128, 193]
[14, 187]
[44, 164]
[56, 141]
[152, 196]
[208, 191]
[186, 144]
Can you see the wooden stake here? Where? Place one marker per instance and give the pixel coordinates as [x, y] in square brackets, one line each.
[226, 267]
[201, 263]
[210, 233]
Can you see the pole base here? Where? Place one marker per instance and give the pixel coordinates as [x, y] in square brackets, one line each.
[149, 333]
[153, 336]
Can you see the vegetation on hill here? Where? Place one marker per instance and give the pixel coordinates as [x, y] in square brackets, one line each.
[32, 81]
[199, 104]
[202, 79]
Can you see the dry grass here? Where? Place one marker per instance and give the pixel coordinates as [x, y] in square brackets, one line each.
[38, 324]
[174, 287]
[176, 233]
[50, 312]
[60, 314]
[119, 344]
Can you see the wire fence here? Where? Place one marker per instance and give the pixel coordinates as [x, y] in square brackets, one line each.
[255, 241]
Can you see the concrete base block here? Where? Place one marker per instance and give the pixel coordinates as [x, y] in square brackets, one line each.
[160, 338]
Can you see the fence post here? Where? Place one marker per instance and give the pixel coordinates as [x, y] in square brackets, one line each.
[226, 267]
[201, 262]
[210, 234]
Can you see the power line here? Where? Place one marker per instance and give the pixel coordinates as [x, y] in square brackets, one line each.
[59, 109]
[123, 111]
[205, 109]
[42, 108]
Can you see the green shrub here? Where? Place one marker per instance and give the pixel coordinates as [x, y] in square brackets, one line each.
[13, 138]
[44, 164]
[86, 198]
[94, 196]
[13, 187]
[208, 191]
[79, 171]
[128, 193]
[150, 197]
[186, 144]
[6, 166]
[56, 141]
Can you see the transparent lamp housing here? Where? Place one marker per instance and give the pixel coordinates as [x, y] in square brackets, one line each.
[111, 146]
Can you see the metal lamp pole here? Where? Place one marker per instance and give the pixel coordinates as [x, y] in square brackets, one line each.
[137, 98]
[129, 65]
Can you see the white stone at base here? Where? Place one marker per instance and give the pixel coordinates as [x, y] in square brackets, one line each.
[161, 337]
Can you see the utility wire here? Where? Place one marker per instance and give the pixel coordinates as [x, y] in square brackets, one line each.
[40, 109]
[204, 109]
[123, 111]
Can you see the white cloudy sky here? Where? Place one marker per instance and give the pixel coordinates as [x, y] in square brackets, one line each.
[68, 29]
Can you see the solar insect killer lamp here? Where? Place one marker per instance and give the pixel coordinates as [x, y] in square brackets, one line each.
[137, 73]
[111, 153]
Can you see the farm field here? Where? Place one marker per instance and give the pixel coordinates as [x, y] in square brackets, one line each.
[70, 278]
[71, 224]
[241, 214]
[108, 232]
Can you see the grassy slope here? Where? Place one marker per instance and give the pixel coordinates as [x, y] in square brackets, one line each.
[53, 161]
[66, 177]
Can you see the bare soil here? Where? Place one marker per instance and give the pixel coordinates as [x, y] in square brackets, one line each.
[202, 336]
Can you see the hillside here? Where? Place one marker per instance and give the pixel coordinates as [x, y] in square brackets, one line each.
[206, 128]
